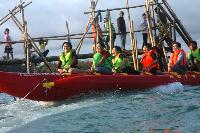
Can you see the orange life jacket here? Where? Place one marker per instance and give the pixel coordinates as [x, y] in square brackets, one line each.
[94, 35]
[174, 57]
[147, 59]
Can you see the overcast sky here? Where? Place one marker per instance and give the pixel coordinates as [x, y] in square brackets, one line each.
[47, 18]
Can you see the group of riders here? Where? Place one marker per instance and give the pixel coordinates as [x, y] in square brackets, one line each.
[105, 62]
[153, 60]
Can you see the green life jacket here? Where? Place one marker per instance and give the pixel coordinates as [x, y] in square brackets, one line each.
[117, 62]
[42, 47]
[66, 59]
[194, 55]
[107, 62]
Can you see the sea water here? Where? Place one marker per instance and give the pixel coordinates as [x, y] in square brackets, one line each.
[171, 108]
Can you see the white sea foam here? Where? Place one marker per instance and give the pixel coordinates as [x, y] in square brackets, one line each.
[170, 88]
[22, 112]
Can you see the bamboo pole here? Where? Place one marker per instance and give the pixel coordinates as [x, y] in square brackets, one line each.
[177, 20]
[26, 44]
[17, 22]
[178, 29]
[111, 43]
[86, 31]
[81, 34]
[40, 59]
[67, 28]
[27, 48]
[131, 37]
[154, 20]
[135, 47]
[149, 22]
[83, 37]
[15, 8]
[174, 31]
[115, 9]
[65, 37]
[165, 59]
[96, 23]
[7, 17]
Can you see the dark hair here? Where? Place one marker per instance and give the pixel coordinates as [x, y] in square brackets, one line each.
[157, 10]
[68, 43]
[6, 30]
[148, 45]
[41, 41]
[193, 42]
[118, 49]
[143, 14]
[178, 44]
[122, 12]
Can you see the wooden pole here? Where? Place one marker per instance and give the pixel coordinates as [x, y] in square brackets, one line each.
[96, 23]
[86, 29]
[116, 9]
[17, 22]
[174, 31]
[177, 20]
[131, 36]
[15, 8]
[67, 27]
[26, 44]
[40, 59]
[178, 29]
[160, 42]
[27, 48]
[111, 43]
[154, 20]
[84, 34]
[149, 22]
[14, 11]
[135, 47]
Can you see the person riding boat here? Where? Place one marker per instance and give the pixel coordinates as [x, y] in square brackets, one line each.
[120, 63]
[149, 60]
[68, 59]
[102, 61]
[194, 56]
[177, 61]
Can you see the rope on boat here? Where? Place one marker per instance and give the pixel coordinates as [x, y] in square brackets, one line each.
[34, 88]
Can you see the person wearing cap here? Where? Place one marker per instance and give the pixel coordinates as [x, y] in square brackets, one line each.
[106, 27]
[194, 56]
[121, 63]
[68, 61]
[144, 28]
[8, 47]
[122, 29]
